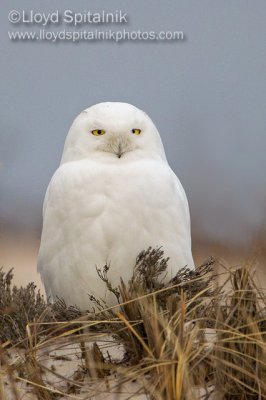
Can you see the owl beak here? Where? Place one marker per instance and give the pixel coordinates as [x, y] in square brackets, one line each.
[119, 151]
[117, 145]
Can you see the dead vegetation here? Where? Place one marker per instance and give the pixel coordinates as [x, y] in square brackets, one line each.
[180, 340]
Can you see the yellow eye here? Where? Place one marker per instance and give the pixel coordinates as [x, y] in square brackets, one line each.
[98, 132]
[136, 131]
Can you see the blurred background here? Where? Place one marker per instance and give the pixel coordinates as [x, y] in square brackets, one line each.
[206, 94]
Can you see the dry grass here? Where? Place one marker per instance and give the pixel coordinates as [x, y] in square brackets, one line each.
[184, 339]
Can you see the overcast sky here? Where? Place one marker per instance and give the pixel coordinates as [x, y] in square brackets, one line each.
[206, 94]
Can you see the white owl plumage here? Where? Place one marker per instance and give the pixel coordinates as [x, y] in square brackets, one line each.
[112, 196]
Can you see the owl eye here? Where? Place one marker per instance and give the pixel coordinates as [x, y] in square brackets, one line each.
[98, 132]
[136, 131]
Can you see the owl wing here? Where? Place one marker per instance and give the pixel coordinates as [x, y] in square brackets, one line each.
[181, 192]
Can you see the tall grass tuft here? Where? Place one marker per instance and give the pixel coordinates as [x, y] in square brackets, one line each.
[183, 339]
[239, 356]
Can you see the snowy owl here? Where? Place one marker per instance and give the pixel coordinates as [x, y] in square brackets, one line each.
[112, 196]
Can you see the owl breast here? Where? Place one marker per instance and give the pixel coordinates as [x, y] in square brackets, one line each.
[97, 214]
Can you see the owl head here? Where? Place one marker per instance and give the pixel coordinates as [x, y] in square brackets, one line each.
[112, 132]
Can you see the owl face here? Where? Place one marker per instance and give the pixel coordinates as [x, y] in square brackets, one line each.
[112, 132]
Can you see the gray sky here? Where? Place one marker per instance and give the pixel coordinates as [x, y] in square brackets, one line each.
[206, 95]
